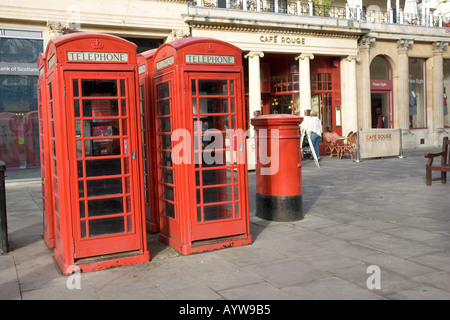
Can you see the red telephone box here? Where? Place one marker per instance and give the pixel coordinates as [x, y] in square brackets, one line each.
[145, 67]
[201, 179]
[48, 217]
[94, 152]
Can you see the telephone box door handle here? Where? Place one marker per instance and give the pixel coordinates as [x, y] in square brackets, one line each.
[133, 155]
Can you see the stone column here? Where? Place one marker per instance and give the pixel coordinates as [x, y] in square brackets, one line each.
[305, 81]
[254, 82]
[349, 106]
[254, 104]
[363, 84]
[401, 109]
[437, 107]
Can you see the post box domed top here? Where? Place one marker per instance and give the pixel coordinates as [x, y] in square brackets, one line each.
[87, 47]
[276, 120]
[196, 52]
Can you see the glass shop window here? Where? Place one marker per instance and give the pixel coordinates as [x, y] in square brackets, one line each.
[446, 92]
[417, 94]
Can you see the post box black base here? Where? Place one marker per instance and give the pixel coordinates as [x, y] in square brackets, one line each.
[279, 208]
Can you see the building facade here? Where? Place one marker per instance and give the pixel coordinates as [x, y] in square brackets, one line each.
[360, 64]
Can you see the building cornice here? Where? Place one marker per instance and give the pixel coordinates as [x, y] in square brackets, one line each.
[232, 26]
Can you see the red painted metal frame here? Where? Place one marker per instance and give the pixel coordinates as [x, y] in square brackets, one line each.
[63, 184]
[47, 208]
[172, 78]
[145, 62]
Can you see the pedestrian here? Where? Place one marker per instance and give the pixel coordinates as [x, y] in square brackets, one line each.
[315, 131]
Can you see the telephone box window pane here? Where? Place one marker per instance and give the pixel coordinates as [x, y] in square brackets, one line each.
[213, 105]
[127, 185]
[217, 194]
[96, 88]
[216, 122]
[101, 207]
[194, 105]
[99, 227]
[163, 90]
[168, 193]
[103, 187]
[80, 169]
[194, 87]
[82, 210]
[81, 189]
[76, 107]
[129, 207]
[130, 223]
[105, 147]
[199, 196]
[213, 87]
[167, 159]
[125, 127]
[123, 103]
[168, 176]
[212, 177]
[103, 167]
[102, 128]
[164, 107]
[217, 212]
[165, 125]
[75, 88]
[83, 229]
[79, 150]
[122, 88]
[166, 141]
[100, 108]
[169, 210]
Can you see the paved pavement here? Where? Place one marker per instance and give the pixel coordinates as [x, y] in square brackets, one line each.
[372, 230]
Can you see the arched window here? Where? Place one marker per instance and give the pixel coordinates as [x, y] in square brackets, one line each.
[381, 93]
[380, 69]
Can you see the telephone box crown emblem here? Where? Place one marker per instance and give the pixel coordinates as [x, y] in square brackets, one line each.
[97, 45]
[210, 48]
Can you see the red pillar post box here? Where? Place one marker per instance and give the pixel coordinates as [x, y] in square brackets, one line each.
[201, 178]
[278, 167]
[94, 151]
[145, 66]
[47, 208]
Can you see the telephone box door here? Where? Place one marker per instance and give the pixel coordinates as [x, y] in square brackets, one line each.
[102, 140]
[219, 153]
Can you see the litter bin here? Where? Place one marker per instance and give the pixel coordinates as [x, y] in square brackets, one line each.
[278, 167]
[4, 248]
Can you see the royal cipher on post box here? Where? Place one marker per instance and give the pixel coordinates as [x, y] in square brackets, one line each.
[201, 169]
[94, 152]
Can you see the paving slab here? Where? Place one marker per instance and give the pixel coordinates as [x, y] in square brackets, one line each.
[377, 212]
